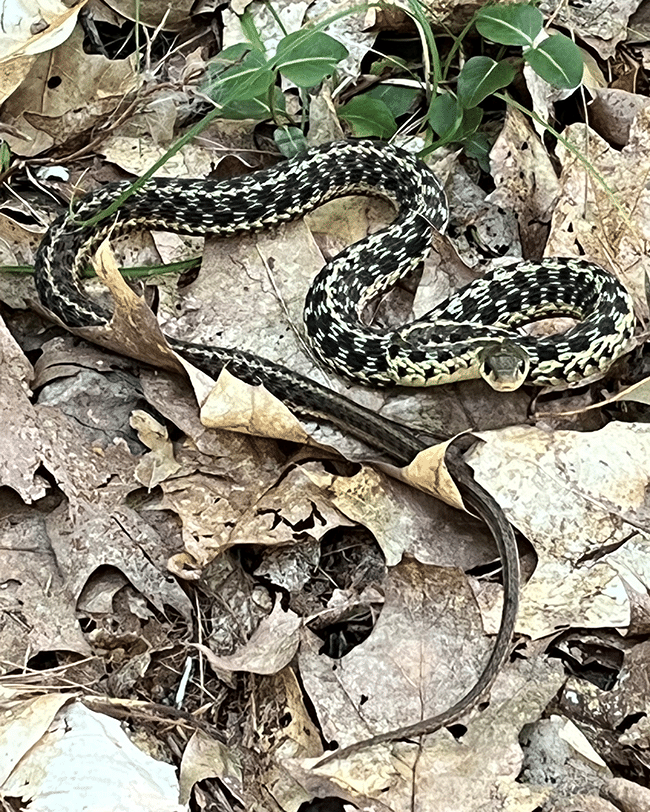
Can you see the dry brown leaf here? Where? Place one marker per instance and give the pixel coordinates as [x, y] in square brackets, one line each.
[428, 472]
[586, 222]
[222, 475]
[638, 392]
[94, 537]
[251, 291]
[137, 154]
[171, 16]
[300, 734]
[61, 767]
[66, 91]
[38, 613]
[343, 221]
[204, 503]
[205, 757]
[612, 112]
[573, 494]
[408, 521]
[160, 464]
[440, 772]
[417, 655]
[270, 648]
[626, 796]
[133, 329]
[13, 74]
[29, 28]
[599, 24]
[19, 423]
[525, 180]
[24, 722]
[297, 508]
[63, 356]
[288, 731]
[235, 406]
[85, 472]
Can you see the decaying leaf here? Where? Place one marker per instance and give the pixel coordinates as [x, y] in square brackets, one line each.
[414, 656]
[61, 764]
[270, 648]
[580, 498]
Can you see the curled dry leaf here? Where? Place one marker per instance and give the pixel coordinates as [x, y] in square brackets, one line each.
[429, 473]
[204, 757]
[271, 646]
[160, 464]
[133, 329]
[235, 406]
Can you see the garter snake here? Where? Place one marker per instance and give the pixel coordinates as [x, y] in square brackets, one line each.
[472, 334]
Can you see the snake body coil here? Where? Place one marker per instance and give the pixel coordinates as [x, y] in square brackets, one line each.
[464, 337]
[471, 334]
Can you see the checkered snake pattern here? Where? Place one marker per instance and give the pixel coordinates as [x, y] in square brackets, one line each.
[445, 345]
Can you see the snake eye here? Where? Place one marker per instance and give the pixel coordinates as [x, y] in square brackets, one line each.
[504, 365]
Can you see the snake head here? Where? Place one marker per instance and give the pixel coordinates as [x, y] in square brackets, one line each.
[503, 365]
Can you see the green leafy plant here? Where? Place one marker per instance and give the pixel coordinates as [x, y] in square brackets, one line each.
[243, 80]
[555, 58]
